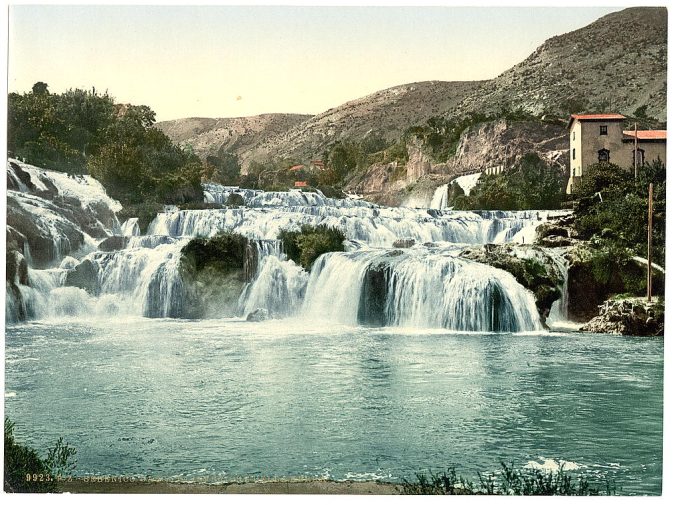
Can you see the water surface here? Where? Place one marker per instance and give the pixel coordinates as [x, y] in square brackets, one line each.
[218, 400]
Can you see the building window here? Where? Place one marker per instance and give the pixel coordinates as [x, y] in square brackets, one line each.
[640, 157]
[603, 130]
[603, 156]
[573, 136]
[573, 153]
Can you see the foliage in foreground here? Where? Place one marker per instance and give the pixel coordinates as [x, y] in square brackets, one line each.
[509, 481]
[27, 472]
[310, 242]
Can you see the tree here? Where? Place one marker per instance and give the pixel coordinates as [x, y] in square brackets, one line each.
[529, 184]
[227, 168]
[40, 88]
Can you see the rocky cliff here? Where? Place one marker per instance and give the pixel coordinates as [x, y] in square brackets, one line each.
[489, 146]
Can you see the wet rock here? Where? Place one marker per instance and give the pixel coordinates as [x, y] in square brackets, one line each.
[84, 276]
[373, 301]
[114, 243]
[404, 243]
[16, 268]
[258, 315]
[628, 317]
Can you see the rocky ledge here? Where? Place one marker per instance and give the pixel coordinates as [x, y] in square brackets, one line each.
[628, 316]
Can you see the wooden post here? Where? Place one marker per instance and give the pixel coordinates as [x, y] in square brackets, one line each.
[649, 243]
[635, 151]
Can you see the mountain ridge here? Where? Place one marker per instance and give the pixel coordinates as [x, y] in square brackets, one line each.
[618, 62]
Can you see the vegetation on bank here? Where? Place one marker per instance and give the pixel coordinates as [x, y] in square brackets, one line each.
[81, 131]
[610, 211]
[26, 472]
[508, 481]
[530, 184]
[310, 242]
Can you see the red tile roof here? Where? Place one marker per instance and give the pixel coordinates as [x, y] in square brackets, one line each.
[296, 167]
[595, 117]
[647, 134]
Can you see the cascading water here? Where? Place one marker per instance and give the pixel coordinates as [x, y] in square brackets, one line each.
[559, 311]
[441, 197]
[278, 286]
[421, 287]
[373, 283]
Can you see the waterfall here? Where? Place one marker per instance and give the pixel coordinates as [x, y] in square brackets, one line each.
[130, 228]
[422, 289]
[372, 283]
[467, 182]
[278, 285]
[559, 311]
[440, 198]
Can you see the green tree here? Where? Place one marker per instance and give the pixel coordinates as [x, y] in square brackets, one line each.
[227, 168]
[40, 88]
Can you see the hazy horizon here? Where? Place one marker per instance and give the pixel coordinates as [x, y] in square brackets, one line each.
[230, 61]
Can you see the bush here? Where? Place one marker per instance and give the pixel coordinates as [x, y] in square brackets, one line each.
[225, 251]
[22, 461]
[609, 198]
[235, 200]
[510, 481]
[306, 245]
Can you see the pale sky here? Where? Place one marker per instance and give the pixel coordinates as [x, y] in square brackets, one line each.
[229, 61]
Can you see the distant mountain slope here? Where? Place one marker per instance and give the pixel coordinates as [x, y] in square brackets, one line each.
[616, 63]
[386, 113]
[208, 136]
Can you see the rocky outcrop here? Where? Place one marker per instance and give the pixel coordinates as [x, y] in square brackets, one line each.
[589, 287]
[558, 232]
[531, 267]
[213, 274]
[496, 145]
[16, 275]
[489, 146]
[628, 316]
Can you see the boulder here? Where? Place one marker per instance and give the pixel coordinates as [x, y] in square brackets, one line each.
[632, 316]
[258, 315]
[114, 243]
[85, 276]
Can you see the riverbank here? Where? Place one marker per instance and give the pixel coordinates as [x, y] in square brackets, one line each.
[259, 487]
[629, 316]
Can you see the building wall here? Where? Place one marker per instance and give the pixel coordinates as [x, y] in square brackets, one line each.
[592, 142]
[653, 150]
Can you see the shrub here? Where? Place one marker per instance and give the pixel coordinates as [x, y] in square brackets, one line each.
[225, 251]
[235, 200]
[510, 481]
[22, 461]
[306, 245]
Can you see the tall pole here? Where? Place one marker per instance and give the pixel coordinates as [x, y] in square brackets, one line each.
[649, 243]
[635, 152]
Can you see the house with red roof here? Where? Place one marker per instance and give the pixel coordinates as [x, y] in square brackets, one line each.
[597, 138]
